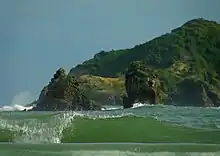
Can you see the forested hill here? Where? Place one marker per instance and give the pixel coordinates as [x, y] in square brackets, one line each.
[186, 62]
[195, 44]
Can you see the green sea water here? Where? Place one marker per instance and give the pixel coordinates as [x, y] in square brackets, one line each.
[147, 130]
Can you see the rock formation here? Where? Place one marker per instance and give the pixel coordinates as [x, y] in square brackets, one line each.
[141, 85]
[193, 92]
[62, 94]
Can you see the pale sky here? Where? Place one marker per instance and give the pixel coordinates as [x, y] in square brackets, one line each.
[39, 36]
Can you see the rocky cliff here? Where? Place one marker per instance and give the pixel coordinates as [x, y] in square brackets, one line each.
[63, 93]
[142, 85]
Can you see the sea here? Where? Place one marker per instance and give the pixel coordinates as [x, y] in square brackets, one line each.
[143, 130]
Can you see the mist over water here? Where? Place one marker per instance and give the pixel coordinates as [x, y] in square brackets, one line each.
[21, 98]
[18, 102]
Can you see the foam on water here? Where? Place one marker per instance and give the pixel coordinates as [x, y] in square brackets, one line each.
[15, 108]
[86, 149]
[135, 105]
[37, 130]
[105, 108]
[138, 105]
[104, 153]
[125, 153]
[48, 129]
[121, 153]
[21, 107]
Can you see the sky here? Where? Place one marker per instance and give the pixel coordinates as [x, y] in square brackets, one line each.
[39, 36]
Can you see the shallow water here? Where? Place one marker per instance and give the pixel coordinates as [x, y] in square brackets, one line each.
[113, 149]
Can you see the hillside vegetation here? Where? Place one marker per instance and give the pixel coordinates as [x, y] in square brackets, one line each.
[102, 90]
[186, 61]
[196, 43]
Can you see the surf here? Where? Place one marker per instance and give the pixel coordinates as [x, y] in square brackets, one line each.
[143, 129]
[15, 108]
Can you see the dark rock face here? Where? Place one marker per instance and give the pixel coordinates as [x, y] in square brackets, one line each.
[141, 85]
[215, 97]
[63, 94]
[191, 92]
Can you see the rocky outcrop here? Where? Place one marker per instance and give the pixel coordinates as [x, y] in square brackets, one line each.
[193, 92]
[141, 84]
[62, 94]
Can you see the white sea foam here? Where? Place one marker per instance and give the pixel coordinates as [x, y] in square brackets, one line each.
[102, 153]
[15, 108]
[33, 130]
[124, 153]
[135, 105]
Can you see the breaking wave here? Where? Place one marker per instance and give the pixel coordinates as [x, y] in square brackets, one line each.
[15, 108]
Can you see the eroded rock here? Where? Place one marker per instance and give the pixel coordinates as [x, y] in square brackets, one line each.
[63, 94]
[141, 84]
[193, 92]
